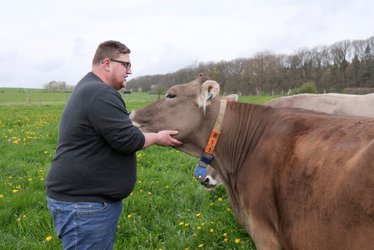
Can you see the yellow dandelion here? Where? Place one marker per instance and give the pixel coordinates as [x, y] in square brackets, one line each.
[228, 209]
[211, 204]
[29, 179]
[149, 193]
[211, 230]
[198, 228]
[48, 238]
[10, 177]
[186, 225]
[1, 196]
[139, 182]
[237, 241]
[14, 191]
[220, 199]
[202, 224]
[198, 215]
[200, 246]
[45, 152]
[129, 216]
[181, 223]
[225, 240]
[225, 234]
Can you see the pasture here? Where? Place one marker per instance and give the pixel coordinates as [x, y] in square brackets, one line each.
[168, 208]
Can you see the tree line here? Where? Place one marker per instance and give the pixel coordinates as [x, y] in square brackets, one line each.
[345, 66]
[55, 86]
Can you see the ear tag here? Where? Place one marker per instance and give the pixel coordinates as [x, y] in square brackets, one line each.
[209, 96]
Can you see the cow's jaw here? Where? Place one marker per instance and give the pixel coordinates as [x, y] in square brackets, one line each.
[187, 147]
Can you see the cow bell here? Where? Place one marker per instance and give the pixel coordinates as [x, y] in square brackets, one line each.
[202, 167]
[200, 171]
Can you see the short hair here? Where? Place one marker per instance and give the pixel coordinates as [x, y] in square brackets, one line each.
[109, 49]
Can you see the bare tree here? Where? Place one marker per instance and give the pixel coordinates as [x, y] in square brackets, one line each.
[331, 68]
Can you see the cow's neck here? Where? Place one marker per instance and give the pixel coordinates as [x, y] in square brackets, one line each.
[242, 129]
[207, 156]
[195, 143]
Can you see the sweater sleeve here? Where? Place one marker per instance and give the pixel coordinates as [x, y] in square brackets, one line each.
[110, 118]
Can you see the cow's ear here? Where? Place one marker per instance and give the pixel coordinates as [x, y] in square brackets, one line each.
[231, 97]
[208, 91]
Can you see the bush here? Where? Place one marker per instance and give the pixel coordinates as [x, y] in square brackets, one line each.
[307, 87]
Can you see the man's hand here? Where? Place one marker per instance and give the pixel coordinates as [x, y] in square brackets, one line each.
[162, 138]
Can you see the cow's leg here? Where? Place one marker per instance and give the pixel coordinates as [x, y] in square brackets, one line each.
[264, 236]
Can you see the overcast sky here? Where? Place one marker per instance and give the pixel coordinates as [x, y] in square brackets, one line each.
[45, 40]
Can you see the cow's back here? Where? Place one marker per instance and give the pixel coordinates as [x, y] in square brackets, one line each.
[332, 103]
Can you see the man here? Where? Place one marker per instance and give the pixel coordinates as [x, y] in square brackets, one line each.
[95, 163]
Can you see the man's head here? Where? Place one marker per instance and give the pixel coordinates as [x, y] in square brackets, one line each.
[111, 63]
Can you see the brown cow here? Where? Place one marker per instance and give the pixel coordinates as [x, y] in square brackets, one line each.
[296, 179]
[332, 103]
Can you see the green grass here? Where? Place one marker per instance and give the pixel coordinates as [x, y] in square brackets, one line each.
[13, 96]
[168, 208]
[256, 99]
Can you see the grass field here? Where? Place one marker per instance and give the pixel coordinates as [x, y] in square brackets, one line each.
[168, 208]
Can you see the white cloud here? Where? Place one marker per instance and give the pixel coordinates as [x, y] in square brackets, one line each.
[55, 40]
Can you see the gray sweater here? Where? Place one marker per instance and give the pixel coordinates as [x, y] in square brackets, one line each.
[95, 156]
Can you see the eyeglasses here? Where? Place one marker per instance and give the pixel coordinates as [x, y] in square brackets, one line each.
[127, 65]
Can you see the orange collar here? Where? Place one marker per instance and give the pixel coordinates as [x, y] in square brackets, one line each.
[201, 168]
[214, 136]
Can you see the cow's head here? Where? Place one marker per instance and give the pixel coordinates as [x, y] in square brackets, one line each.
[212, 179]
[190, 108]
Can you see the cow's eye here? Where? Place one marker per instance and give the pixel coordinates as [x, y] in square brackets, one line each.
[170, 95]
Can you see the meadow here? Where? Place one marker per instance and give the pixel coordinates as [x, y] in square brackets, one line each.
[168, 208]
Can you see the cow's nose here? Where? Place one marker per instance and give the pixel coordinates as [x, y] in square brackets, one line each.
[206, 181]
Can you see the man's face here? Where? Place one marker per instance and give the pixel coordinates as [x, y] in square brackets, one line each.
[120, 69]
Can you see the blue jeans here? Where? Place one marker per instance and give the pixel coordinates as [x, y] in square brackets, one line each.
[85, 225]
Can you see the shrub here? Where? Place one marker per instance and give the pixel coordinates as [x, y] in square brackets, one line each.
[307, 87]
